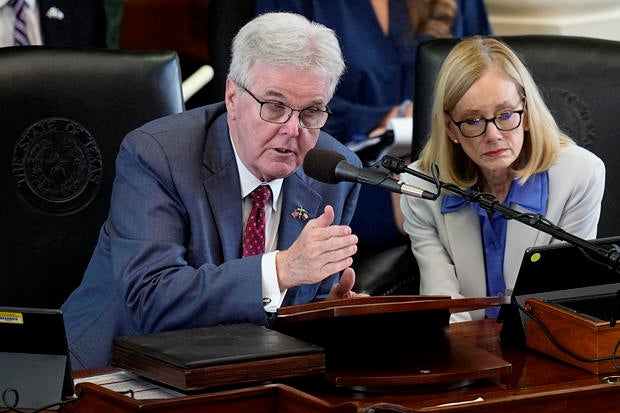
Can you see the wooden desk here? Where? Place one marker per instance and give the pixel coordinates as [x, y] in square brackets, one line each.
[536, 382]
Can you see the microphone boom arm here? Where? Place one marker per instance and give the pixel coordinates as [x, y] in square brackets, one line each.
[610, 254]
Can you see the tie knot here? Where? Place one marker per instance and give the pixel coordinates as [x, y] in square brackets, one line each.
[260, 195]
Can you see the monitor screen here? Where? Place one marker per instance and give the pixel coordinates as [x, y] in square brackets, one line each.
[565, 267]
[558, 272]
[36, 369]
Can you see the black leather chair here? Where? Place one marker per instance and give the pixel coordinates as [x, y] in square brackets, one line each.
[225, 18]
[579, 79]
[64, 113]
[393, 271]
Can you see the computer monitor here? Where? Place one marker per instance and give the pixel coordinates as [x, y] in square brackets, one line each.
[558, 272]
[36, 370]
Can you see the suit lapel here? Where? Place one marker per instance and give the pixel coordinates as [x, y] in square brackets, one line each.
[223, 189]
[297, 194]
[465, 241]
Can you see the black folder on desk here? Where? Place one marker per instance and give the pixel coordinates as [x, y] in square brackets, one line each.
[34, 358]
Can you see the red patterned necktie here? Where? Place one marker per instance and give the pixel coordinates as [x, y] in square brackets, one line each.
[254, 236]
[20, 34]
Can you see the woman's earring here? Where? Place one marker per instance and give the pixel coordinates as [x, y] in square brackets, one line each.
[456, 141]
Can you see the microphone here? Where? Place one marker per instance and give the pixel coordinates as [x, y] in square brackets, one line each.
[331, 167]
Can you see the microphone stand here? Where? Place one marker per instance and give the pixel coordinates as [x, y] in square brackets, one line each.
[609, 254]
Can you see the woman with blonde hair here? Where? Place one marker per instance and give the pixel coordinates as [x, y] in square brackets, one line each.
[492, 132]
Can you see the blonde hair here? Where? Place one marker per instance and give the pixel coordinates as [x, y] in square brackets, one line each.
[469, 60]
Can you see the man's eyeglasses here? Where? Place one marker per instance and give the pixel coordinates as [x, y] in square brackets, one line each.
[275, 112]
[505, 121]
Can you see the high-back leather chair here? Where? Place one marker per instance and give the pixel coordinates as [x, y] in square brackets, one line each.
[64, 113]
[578, 78]
[225, 18]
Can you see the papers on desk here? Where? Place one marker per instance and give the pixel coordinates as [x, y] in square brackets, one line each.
[131, 385]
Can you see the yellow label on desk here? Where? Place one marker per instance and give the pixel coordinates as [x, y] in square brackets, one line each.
[11, 318]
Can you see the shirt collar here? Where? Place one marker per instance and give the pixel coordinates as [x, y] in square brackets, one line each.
[249, 182]
[532, 195]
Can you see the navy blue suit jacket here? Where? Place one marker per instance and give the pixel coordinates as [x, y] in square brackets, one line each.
[168, 256]
[73, 23]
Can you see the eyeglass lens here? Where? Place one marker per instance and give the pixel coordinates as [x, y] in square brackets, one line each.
[279, 113]
[504, 121]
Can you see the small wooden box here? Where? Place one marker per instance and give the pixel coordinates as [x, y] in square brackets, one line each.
[592, 341]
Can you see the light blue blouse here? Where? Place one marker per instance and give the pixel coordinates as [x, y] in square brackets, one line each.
[533, 196]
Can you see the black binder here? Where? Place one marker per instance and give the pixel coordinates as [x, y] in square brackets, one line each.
[228, 354]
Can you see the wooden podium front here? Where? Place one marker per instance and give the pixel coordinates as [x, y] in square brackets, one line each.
[390, 343]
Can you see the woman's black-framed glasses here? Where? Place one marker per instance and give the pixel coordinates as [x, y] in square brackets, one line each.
[276, 112]
[505, 121]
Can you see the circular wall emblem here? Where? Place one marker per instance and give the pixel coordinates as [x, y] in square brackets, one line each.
[57, 166]
[572, 115]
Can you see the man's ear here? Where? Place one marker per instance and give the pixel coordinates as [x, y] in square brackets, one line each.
[230, 97]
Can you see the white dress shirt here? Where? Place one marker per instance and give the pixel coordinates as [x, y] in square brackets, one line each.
[7, 23]
[272, 295]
